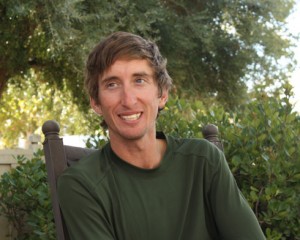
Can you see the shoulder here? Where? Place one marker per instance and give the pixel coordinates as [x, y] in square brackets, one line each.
[90, 170]
[198, 149]
[196, 146]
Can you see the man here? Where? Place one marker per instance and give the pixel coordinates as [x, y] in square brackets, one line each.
[142, 184]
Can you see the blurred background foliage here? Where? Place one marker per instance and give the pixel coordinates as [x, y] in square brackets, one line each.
[25, 199]
[26, 104]
[261, 142]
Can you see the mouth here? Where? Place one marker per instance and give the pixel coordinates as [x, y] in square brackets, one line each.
[131, 117]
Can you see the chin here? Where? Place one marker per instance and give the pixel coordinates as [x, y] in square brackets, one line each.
[132, 135]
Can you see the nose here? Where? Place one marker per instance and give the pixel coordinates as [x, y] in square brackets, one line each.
[128, 98]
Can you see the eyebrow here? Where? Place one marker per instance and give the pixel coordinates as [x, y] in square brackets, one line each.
[137, 74]
[142, 74]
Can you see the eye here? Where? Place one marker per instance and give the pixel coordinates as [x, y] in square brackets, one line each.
[140, 81]
[111, 85]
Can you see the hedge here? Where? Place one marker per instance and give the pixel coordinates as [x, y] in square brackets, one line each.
[261, 141]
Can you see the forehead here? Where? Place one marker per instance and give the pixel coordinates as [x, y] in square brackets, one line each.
[124, 67]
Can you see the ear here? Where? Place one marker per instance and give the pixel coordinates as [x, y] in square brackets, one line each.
[96, 106]
[163, 99]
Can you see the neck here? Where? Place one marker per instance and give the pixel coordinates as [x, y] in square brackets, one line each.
[142, 153]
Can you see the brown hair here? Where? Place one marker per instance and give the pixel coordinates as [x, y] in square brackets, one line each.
[129, 46]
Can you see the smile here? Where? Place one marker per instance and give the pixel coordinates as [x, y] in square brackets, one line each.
[131, 117]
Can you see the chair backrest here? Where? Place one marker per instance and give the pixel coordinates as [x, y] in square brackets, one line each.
[59, 156]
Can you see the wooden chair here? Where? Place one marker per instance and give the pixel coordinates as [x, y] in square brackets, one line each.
[59, 156]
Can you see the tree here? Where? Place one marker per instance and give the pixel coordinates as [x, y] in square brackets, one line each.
[53, 37]
[25, 108]
[213, 47]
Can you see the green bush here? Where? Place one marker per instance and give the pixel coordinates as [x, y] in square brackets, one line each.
[262, 146]
[25, 199]
[261, 141]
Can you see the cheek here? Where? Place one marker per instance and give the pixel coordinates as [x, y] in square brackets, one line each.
[107, 102]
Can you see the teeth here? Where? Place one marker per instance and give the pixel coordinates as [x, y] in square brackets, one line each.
[131, 117]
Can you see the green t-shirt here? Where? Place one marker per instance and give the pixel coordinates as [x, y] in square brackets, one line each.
[191, 195]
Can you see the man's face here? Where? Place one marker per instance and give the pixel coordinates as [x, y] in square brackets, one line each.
[129, 100]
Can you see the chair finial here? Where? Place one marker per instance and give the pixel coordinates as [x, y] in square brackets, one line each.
[210, 132]
[50, 127]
